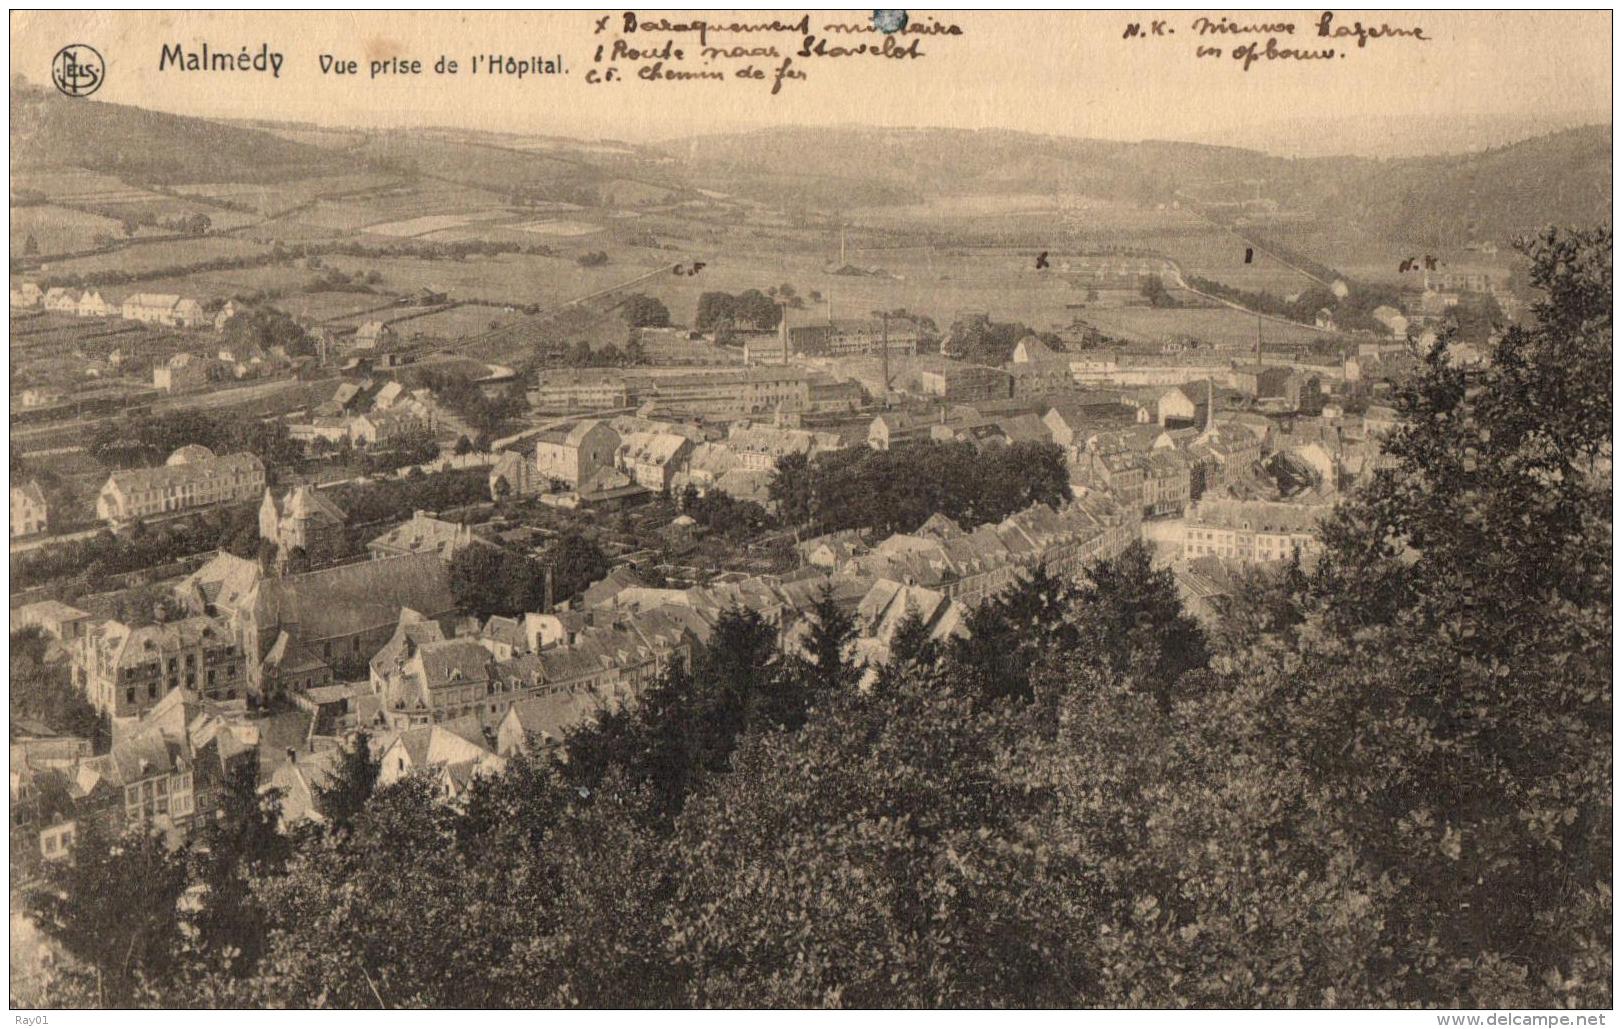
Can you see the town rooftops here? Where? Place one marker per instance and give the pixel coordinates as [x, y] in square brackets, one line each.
[306, 502]
[1257, 515]
[658, 448]
[424, 534]
[549, 718]
[351, 598]
[190, 471]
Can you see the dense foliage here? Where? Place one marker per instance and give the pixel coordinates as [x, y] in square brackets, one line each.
[751, 309]
[642, 311]
[145, 440]
[42, 694]
[393, 500]
[487, 414]
[488, 580]
[140, 547]
[1386, 782]
[897, 490]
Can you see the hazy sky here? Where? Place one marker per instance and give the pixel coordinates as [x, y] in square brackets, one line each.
[1070, 74]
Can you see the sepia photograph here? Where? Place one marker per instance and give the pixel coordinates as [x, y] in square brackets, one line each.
[785, 510]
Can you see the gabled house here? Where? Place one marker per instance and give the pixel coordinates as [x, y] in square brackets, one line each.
[29, 511]
[27, 295]
[92, 305]
[302, 520]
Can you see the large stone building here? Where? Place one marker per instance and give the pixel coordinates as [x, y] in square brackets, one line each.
[1251, 530]
[851, 337]
[581, 389]
[341, 615]
[573, 455]
[967, 382]
[192, 477]
[187, 371]
[165, 774]
[125, 670]
[653, 458]
[425, 534]
[169, 309]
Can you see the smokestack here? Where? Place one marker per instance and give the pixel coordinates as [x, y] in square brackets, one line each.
[782, 331]
[548, 608]
[884, 343]
[1210, 404]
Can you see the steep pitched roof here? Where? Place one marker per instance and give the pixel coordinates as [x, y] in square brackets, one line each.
[412, 631]
[288, 657]
[352, 598]
[30, 492]
[179, 474]
[225, 580]
[550, 717]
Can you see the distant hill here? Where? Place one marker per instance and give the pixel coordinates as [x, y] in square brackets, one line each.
[151, 147]
[1564, 177]
[1395, 134]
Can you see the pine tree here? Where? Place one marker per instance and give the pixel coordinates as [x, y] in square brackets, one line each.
[1133, 621]
[342, 798]
[828, 668]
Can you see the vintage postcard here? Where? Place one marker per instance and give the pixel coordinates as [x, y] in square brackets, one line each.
[812, 509]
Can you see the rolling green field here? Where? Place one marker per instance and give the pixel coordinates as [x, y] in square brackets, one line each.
[153, 256]
[457, 322]
[61, 230]
[1219, 326]
[504, 278]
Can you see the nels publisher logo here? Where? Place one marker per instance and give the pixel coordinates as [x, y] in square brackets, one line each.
[78, 70]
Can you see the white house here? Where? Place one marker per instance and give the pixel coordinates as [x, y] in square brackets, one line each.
[92, 305]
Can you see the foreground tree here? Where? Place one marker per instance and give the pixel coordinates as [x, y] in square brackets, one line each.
[111, 905]
[1469, 587]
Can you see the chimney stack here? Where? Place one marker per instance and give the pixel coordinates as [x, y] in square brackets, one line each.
[548, 608]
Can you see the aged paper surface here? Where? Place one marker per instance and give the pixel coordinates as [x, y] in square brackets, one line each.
[798, 508]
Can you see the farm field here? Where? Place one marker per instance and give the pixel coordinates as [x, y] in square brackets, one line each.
[938, 285]
[150, 257]
[165, 208]
[313, 308]
[332, 139]
[502, 278]
[1222, 327]
[559, 228]
[431, 223]
[1372, 260]
[62, 230]
[1220, 255]
[457, 322]
[284, 277]
[73, 184]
